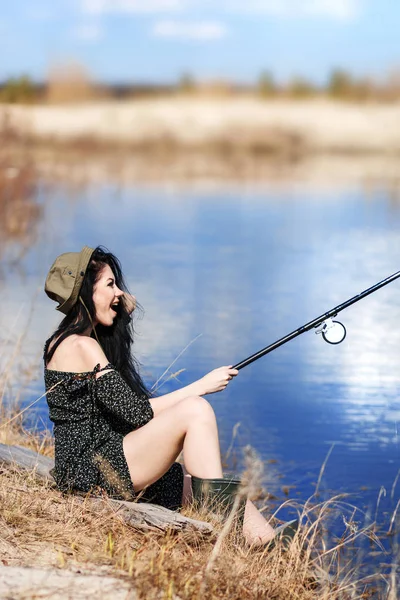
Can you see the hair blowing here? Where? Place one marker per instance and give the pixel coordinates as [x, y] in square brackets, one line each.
[116, 340]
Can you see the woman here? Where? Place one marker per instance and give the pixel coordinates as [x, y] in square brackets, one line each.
[110, 433]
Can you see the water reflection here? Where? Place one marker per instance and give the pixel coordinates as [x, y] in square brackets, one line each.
[20, 211]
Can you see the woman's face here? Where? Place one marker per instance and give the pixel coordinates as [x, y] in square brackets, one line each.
[106, 297]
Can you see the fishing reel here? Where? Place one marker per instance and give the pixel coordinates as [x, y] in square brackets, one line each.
[333, 332]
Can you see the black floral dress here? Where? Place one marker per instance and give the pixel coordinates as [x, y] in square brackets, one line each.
[91, 416]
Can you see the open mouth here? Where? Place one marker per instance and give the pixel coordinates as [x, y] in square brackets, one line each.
[114, 307]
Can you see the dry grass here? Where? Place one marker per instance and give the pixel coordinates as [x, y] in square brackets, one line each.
[20, 212]
[39, 526]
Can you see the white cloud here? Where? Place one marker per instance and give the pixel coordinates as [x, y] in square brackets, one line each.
[185, 30]
[332, 9]
[131, 6]
[337, 9]
[89, 32]
[341, 9]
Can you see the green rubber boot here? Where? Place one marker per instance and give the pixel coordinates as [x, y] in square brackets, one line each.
[218, 495]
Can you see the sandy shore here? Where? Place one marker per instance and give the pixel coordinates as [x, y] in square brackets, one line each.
[29, 583]
[312, 126]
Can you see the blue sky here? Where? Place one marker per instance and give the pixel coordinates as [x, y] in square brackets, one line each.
[158, 40]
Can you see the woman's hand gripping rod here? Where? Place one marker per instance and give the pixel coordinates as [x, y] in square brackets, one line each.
[333, 332]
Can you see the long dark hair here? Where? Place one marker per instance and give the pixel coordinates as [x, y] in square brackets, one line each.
[116, 340]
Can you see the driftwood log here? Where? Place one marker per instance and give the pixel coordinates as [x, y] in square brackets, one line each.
[138, 514]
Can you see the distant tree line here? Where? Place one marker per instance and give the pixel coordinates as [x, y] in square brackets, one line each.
[340, 85]
[73, 84]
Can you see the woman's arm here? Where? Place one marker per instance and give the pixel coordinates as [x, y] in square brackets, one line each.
[215, 381]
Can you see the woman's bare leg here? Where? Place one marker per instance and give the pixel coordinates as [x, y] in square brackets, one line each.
[190, 426]
[256, 530]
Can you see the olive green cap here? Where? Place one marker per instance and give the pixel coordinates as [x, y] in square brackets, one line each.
[64, 280]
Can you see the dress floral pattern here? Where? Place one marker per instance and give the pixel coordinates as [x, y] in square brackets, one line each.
[91, 416]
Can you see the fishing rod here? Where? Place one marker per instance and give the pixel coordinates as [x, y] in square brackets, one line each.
[332, 331]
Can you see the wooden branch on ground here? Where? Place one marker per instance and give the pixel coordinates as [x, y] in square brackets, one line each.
[28, 460]
[144, 515]
[138, 514]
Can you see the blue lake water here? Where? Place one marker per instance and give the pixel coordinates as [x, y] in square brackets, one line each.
[228, 270]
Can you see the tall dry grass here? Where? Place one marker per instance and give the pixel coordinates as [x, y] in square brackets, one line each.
[16, 376]
[20, 212]
[39, 526]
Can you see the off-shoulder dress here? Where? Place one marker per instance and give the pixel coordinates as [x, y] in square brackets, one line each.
[91, 416]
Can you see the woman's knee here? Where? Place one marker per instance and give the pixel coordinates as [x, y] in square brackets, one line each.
[197, 408]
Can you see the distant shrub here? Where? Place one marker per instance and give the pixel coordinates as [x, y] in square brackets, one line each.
[391, 90]
[186, 83]
[340, 84]
[18, 90]
[69, 83]
[300, 87]
[266, 86]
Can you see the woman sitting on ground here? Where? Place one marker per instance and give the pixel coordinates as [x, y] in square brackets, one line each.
[110, 433]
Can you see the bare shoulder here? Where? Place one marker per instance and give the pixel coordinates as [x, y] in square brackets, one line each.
[78, 353]
[88, 351]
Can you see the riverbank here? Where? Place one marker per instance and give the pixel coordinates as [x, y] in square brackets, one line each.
[288, 128]
[215, 141]
[51, 540]
[44, 532]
